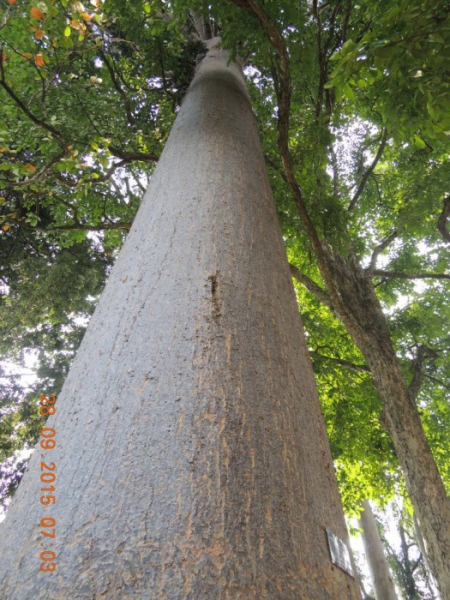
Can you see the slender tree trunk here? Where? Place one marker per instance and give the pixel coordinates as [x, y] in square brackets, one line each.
[431, 584]
[192, 459]
[407, 567]
[366, 323]
[382, 580]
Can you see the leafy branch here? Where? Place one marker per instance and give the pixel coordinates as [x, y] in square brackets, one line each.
[39, 122]
[40, 175]
[114, 150]
[276, 168]
[342, 362]
[368, 172]
[396, 274]
[84, 227]
[119, 88]
[132, 156]
[378, 250]
[312, 287]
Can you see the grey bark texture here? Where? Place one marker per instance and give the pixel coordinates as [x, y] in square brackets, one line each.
[383, 583]
[192, 459]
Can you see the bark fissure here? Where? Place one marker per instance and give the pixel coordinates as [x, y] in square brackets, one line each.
[216, 309]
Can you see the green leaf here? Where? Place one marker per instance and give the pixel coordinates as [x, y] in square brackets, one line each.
[436, 37]
[418, 142]
[349, 93]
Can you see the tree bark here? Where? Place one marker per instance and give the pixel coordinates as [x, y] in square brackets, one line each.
[381, 577]
[192, 459]
[361, 313]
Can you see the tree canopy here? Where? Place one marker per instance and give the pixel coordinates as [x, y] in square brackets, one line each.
[351, 100]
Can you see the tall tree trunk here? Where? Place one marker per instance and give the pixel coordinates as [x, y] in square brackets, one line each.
[362, 314]
[192, 459]
[382, 580]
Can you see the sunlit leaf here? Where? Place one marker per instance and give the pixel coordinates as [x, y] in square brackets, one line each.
[418, 142]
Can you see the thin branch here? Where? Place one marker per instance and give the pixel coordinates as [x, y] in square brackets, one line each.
[375, 180]
[322, 60]
[334, 164]
[348, 10]
[418, 562]
[118, 87]
[131, 156]
[332, 27]
[418, 370]
[25, 110]
[45, 84]
[438, 381]
[442, 222]
[344, 363]
[378, 249]
[311, 286]
[323, 56]
[276, 168]
[368, 172]
[102, 179]
[395, 274]
[13, 375]
[91, 121]
[109, 172]
[140, 186]
[39, 175]
[83, 227]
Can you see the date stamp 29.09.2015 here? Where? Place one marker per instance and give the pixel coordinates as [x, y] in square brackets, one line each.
[48, 480]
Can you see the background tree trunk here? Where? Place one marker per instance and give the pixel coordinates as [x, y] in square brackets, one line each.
[376, 559]
[407, 567]
[192, 459]
[363, 317]
[431, 583]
